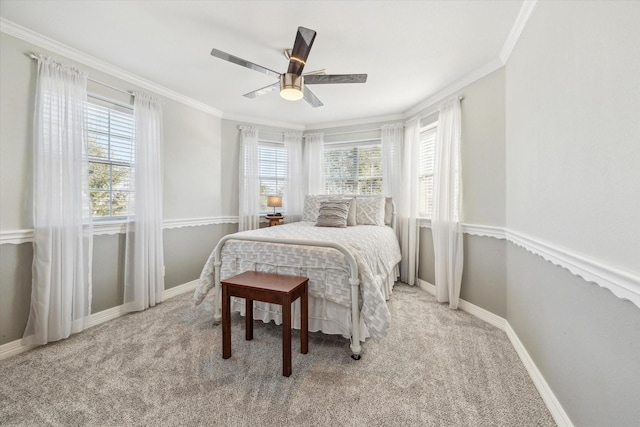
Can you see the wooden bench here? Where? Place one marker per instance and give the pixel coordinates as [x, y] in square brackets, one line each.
[272, 288]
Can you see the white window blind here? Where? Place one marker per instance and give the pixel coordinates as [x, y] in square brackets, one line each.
[353, 169]
[272, 166]
[110, 132]
[425, 171]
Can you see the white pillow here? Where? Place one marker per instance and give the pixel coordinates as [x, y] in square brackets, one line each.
[312, 207]
[370, 210]
[388, 211]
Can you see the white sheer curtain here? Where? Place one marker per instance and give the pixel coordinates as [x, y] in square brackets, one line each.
[294, 190]
[391, 139]
[144, 258]
[408, 206]
[314, 162]
[249, 180]
[62, 244]
[447, 205]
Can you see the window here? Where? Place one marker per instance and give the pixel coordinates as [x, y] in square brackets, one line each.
[353, 169]
[272, 169]
[110, 131]
[425, 171]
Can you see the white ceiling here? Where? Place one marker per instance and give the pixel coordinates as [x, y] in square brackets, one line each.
[411, 50]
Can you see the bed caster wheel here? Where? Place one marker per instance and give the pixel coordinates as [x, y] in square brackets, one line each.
[356, 356]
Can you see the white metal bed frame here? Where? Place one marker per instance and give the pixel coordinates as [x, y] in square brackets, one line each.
[354, 281]
[356, 348]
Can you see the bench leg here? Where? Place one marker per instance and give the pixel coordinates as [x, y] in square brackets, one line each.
[226, 323]
[248, 319]
[286, 338]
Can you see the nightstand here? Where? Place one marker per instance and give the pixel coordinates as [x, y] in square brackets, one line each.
[275, 220]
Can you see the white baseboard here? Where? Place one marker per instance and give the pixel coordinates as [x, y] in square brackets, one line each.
[16, 347]
[482, 314]
[555, 408]
[180, 289]
[478, 312]
[426, 286]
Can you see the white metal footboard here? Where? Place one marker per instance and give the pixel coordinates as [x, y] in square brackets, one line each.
[353, 280]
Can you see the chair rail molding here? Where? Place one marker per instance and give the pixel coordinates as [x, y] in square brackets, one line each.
[623, 284]
[18, 237]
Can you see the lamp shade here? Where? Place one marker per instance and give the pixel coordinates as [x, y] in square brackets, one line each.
[274, 201]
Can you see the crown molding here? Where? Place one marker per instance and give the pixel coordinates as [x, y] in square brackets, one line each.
[516, 30]
[29, 36]
[15, 30]
[355, 122]
[429, 105]
[264, 122]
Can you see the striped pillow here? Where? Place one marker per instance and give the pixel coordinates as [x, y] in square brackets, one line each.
[351, 217]
[333, 214]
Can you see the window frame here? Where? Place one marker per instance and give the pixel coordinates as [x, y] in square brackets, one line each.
[355, 176]
[280, 181]
[428, 135]
[99, 102]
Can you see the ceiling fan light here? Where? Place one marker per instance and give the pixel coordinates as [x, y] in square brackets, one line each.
[291, 86]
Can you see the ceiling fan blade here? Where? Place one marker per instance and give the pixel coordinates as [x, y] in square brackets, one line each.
[301, 49]
[322, 72]
[334, 78]
[244, 63]
[263, 90]
[311, 98]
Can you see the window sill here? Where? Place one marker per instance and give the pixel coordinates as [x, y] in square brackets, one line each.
[424, 222]
[105, 227]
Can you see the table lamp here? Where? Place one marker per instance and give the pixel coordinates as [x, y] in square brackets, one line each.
[274, 202]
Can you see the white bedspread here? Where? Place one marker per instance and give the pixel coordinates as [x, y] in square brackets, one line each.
[374, 248]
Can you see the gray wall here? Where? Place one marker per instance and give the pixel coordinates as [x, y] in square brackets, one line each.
[230, 156]
[573, 181]
[583, 339]
[483, 195]
[192, 181]
[483, 177]
[15, 290]
[484, 270]
[573, 129]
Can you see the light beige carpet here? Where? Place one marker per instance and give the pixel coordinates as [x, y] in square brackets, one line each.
[437, 367]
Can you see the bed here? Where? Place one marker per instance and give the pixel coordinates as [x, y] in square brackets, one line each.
[351, 269]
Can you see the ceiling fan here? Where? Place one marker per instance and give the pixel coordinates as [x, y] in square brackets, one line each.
[292, 84]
